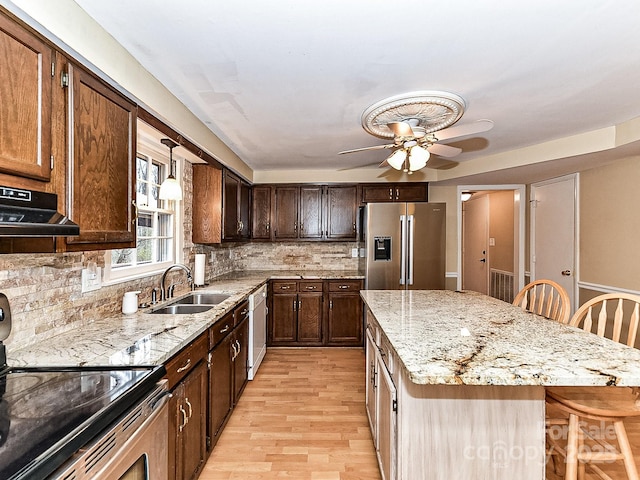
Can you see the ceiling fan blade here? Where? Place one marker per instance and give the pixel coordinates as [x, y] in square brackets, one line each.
[401, 129]
[444, 150]
[375, 147]
[464, 130]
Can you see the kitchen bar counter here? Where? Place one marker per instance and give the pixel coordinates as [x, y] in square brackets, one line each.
[150, 339]
[446, 337]
[456, 382]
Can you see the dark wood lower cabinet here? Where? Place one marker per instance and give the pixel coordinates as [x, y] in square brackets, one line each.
[240, 359]
[220, 386]
[315, 313]
[187, 381]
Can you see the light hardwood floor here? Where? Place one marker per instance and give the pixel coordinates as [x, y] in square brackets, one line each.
[303, 417]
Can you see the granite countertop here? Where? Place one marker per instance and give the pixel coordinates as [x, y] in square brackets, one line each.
[446, 337]
[150, 339]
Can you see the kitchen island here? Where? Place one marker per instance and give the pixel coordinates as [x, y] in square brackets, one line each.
[457, 382]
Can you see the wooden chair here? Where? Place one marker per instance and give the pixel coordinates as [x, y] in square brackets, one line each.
[603, 404]
[545, 298]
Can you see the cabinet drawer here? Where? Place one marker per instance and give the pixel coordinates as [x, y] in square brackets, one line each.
[180, 365]
[240, 313]
[220, 329]
[287, 286]
[307, 286]
[345, 286]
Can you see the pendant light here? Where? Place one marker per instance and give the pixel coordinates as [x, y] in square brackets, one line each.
[418, 158]
[170, 188]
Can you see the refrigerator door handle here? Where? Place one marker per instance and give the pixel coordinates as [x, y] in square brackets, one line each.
[410, 230]
[403, 249]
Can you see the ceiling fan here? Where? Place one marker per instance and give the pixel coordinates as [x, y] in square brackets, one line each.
[412, 120]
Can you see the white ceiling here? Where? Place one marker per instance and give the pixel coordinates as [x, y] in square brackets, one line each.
[284, 83]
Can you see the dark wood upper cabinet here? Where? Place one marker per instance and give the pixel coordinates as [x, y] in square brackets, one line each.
[102, 164]
[207, 204]
[285, 213]
[305, 212]
[342, 212]
[395, 192]
[236, 207]
[261, 212]
[311, 212]
[26, 83]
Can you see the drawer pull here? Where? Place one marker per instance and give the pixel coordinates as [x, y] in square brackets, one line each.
[244, 312]
[311, 287]
[225, 329]
[285, 287]
[343, 287]
[184, 367]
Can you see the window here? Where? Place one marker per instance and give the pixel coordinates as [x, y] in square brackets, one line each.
[156, 235]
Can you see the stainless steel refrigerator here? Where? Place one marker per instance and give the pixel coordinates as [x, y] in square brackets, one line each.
[405, 246]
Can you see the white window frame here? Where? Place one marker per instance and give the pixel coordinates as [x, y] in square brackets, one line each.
[158, 153]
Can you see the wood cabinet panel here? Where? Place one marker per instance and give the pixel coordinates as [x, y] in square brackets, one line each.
[309, 312]
[184, 361]
[230, 206]
[311, 212]
[282, 318]
[285, 213]
[244, 212]
[26, 83]
[395, 192]
[241, 359]
[261, 212]
[102, 140]
[193, 447]
[344, 322]
[207, 204]
[220, 387]
[341, 216]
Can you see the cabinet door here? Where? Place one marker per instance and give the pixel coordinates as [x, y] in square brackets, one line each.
[282, 318]
[244, 210]
[103, 143]
[342, 208]
[192, 408]
[309, 308]
[241, 361]
[344, 320]
[411, 192]
[378, 193]
[285, 213]
[310, 212]
[26, 82]
[261, 213]
[386, 421]
[371, 379]
[220, 387]
[230, 206]
[207, 204]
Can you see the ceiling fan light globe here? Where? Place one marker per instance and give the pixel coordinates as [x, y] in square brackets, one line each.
[418, 158]
[396, 159]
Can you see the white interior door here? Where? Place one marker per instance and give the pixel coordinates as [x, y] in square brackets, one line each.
[475, 244]
[553, 232]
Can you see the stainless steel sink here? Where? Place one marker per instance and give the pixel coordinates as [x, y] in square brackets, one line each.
[202, 299]
[181, 309]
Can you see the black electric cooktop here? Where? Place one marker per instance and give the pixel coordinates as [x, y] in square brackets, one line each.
[46, 415]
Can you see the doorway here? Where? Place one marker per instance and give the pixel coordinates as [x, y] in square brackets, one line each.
[505, 282]
[554, 232]
[475, 244]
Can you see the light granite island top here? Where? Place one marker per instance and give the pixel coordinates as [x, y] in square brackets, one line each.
[144, 338]
[446, 337]
[456, 382]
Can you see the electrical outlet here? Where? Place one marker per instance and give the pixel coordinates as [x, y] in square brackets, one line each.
[91, 279]
[492, 242]
[354, 252]
[362, 253]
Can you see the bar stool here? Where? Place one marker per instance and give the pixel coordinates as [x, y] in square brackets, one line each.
[545, 298]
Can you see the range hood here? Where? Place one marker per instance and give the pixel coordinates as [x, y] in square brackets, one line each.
[28, 213]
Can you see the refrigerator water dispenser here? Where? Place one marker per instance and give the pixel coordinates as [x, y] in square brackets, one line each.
[382, 248]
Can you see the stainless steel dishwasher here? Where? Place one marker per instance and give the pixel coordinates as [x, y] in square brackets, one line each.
[257, 329]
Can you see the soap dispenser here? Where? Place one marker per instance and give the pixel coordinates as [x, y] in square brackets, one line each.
[130, 302]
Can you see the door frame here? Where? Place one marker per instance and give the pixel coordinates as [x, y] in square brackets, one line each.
[519, 199]
[576, 232]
